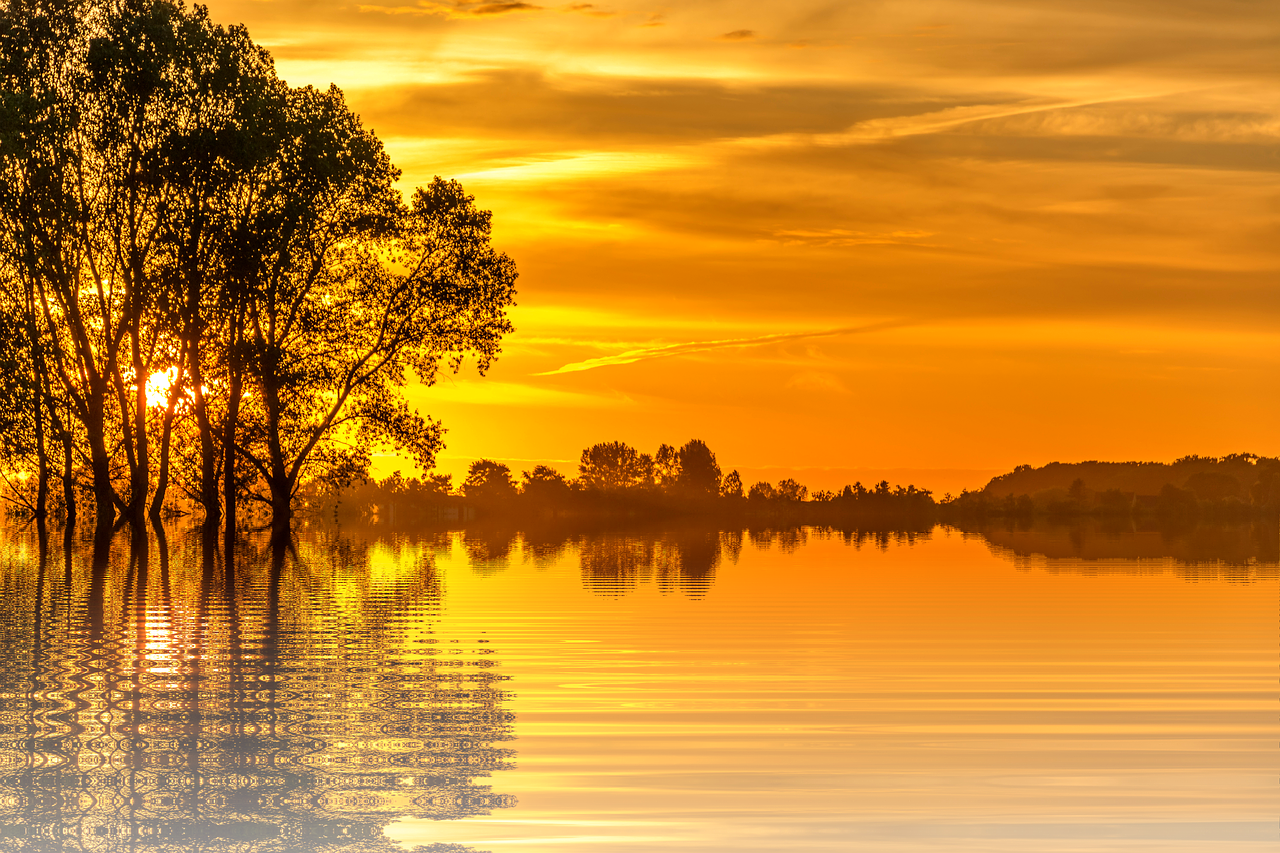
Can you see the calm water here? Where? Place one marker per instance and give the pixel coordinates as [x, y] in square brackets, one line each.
[803, 690]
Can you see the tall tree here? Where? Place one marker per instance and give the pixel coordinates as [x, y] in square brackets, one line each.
[232, 108]
[122, 134]
[352, 293]
[699, 474]
[488, 481]
[614, 466]
[47, 201]
[172, 209]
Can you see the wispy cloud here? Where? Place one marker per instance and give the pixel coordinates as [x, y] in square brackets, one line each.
[844, 237]
[691, 347]
[492, 393]
[456, 8]
[588, 9]
[737, 35]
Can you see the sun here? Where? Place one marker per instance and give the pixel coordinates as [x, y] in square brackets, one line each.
[158, 386]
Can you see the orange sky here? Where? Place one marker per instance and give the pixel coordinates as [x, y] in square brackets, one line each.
[855, 236]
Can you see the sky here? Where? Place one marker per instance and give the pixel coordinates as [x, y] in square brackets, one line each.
[928, 240]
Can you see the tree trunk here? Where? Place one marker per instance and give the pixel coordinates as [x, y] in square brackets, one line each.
[40, 375]
[229, 456]
[42, 454]
[280, 482]
[166, 436]
[63, 434]
[99, 460]
[208, 453]
[162, 477]
[281, 508]
[140, 474]
[68, 478]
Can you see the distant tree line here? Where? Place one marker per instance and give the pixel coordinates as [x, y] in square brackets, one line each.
[1237, 486]
[615, 478]
[209, 283]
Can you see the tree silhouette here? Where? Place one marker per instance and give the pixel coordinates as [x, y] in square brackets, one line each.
[171, 207]
[488, 481]
[790, 490]
[732, 486]
[666, 466]
[614, 466]
[699, 475]
[545, 484]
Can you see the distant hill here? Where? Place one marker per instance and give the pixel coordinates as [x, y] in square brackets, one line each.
[1242, 477]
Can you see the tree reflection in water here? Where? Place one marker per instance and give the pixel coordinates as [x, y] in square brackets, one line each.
[155, 695]
[684, 560]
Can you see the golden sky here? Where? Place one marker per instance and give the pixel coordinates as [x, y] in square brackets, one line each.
[838, 239]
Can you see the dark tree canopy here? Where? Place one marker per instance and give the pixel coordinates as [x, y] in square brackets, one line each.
[488, 480]
[613, 466]
[173, 209]
[699, 474]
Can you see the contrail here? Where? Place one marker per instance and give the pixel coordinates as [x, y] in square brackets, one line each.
[668, 350]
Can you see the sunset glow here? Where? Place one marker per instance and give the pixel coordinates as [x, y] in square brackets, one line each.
[478, 425]
[159, 385]
[998, 219]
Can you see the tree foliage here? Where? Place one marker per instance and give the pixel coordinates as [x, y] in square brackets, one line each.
[172, 208]
[613, 466]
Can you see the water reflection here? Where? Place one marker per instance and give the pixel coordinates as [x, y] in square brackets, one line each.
[155, 695]
[684, 561]
[1239, 552]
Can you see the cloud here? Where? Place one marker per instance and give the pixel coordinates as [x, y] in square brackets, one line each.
[1152, 120]
[503, 8]
[455, 8]
[950, 118]
[596, 110]
[844, 237]
[494, 393]
[818, 382]
[670, 350]
[737, 35]
[588, 9]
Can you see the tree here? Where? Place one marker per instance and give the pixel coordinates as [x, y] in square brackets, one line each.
[699, 475]
[21, 448]
[122, 127]
[340, 320]
[1078, 492]
[171, 208]
[761, 491]
[53, 178]
[488, 481]
[545, 484]
[732, 486]
[790, 490]
[614, 466]
[438, 484]
[666, 466]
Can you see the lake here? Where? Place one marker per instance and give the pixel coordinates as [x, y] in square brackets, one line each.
[1035, 689]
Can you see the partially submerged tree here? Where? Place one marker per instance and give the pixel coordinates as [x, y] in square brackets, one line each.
[173, 209]
[390, 293]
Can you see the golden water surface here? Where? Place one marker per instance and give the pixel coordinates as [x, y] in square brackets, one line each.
[674, 689]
